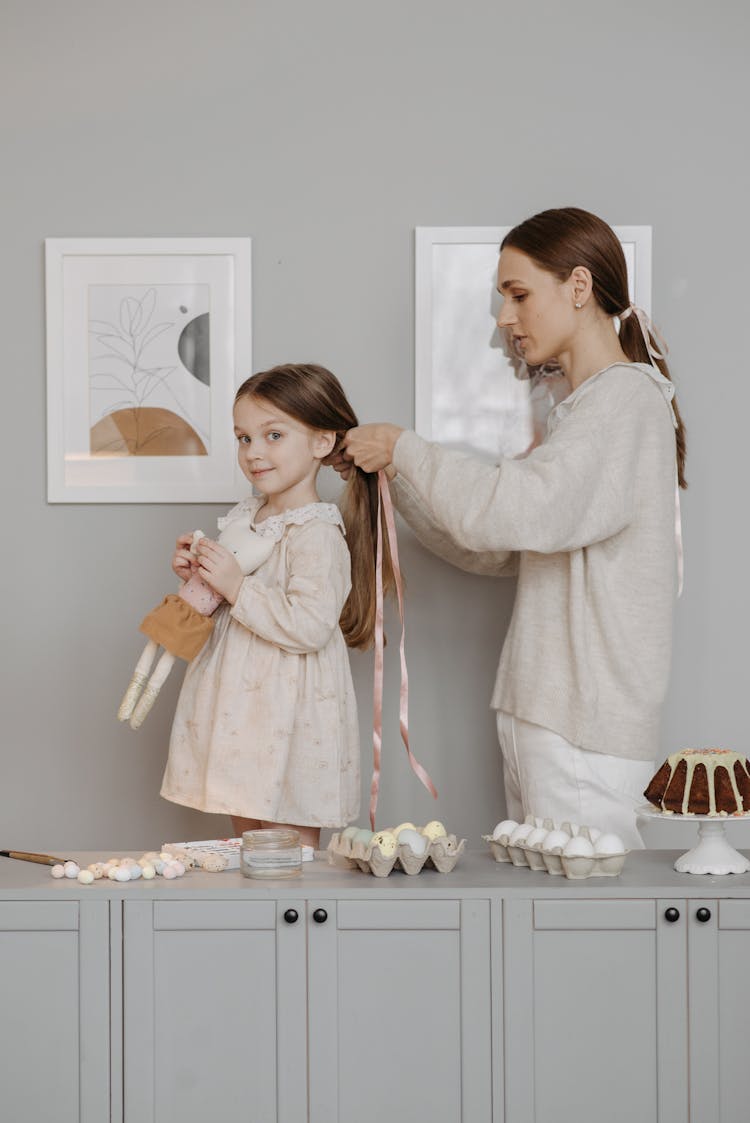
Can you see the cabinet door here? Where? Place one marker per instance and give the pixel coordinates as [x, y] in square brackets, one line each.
[54, 1011]
[595, 1011]
[214, 1012]
[719, 989]
[400, 1011]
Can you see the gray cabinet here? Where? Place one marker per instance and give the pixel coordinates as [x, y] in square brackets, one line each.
[626, 1010]
[321, 1009]
[54, 1002]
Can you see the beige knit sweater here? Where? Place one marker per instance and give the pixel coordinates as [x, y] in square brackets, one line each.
[587, 522]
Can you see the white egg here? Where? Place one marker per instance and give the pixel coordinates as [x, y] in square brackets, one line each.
[416, 842]
[58, 870]
[520, 834]
[609, 844]
[555, 840]
[578, 847]
[403, 827]
[72, 869]
[507, 826]
[85, 877]
[536, 837]
[122, 873]
[594, 833]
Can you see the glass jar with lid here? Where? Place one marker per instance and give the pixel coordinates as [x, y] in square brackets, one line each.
[275, 852]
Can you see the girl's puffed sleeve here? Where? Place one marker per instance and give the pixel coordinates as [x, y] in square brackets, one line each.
[301, 615]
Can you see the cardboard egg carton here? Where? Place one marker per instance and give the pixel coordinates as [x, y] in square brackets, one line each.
[551, 859]
[441, 854]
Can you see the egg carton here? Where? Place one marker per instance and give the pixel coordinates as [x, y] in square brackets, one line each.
[441, 854]
[552, 860]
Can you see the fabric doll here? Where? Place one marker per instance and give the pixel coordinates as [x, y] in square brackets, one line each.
[182, 623]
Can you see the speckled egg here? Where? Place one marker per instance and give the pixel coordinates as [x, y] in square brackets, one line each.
[416, 842]
[609, 844]
[507, 826]
[386, 843]
[578, 847]
[433, 830]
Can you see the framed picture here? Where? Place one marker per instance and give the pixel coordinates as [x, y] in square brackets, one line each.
[472, 392]
[147, 341]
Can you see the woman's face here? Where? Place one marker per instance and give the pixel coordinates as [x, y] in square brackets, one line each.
[537, 310]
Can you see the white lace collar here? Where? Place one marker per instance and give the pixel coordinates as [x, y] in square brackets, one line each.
[275, 525]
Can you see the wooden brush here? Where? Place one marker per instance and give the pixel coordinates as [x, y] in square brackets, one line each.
[41, 859]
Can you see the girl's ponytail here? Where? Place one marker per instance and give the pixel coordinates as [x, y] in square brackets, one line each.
[359, 509]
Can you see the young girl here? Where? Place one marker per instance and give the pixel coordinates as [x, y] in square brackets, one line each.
[266, 723]
[587, 522]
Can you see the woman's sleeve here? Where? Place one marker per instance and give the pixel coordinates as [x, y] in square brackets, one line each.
[496, 563]
[571, 491]
[302, 617]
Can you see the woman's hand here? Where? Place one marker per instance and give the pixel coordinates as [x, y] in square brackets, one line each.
[219, 569]
[371, 447]
[184, 563]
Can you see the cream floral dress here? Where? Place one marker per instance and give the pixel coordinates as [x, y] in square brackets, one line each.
[266, 723]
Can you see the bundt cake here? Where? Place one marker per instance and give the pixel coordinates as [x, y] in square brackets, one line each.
[702, 782]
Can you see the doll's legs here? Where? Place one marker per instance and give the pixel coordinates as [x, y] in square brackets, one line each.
[308, 836]
[151, 689]
[240, 825]
[138, 681]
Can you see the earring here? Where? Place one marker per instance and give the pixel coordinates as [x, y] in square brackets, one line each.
[577, 305]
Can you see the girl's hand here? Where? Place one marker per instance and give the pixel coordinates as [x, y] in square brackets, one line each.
[219, 569]
[183, 561]
[371, 446]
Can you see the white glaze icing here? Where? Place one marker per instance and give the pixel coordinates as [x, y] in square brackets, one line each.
[711, 759]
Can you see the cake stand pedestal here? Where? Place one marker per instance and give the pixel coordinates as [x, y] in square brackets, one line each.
[714, 852]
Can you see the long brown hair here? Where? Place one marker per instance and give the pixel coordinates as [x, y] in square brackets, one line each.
[313, 395]
[559, 240]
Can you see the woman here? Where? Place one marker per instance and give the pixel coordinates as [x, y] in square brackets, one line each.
[586, 521]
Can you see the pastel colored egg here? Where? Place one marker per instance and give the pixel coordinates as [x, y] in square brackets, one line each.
[112, 873]
[179, 867]
[363, 835]
[403, 827]
[58, 870]
[169, 872]
[72, 869]
[135, 871]
[122, 873]
[433, 830]
[416, 842]
[349, 832]
[97, 868]
[158, 865]
[386, 843]
[507, 826]
[148, 871]
[86, 877]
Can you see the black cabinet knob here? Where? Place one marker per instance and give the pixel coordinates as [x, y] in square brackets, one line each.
[703, 914]
[320, 916]
[291, 916]
[672, 914]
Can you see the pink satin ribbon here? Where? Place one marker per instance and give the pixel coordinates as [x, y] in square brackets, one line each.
[385, 508]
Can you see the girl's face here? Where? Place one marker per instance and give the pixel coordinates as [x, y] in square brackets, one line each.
[278, 454]
[537, 309]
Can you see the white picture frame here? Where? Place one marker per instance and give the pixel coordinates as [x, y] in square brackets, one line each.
[468, 392]
[147, 342]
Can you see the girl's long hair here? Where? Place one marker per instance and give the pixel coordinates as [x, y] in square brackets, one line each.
[559, 240]
[313, 395]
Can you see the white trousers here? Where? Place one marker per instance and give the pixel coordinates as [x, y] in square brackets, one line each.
[549, 778]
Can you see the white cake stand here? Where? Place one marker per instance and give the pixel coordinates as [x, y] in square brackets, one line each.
[714, 852]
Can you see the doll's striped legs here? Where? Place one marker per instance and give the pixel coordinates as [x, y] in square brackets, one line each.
[138, 681]
[151, 689]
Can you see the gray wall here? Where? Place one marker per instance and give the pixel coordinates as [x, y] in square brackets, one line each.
[327, 131]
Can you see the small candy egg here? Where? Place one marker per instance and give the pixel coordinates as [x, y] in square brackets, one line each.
[535, 838]
[507, 826]
[166, 856]
[386, 843]
[148, 871]
[416, 842]
[433, 830]
[112, 873]
[97, 868]
[363, 835]
[85, 877]
[72, 869]
[609, 844]
[122, 873]
[403, 827]
[521, 833]
[158, 865]
[578, 847]
[135, 871]
[58, 870]
[169, 872]
[148, 857]
[555, 840]
[179, 867]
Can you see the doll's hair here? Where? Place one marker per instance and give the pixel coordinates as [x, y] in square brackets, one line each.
[313, 395]
[559, 240]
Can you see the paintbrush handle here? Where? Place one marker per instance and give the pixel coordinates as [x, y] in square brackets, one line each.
[24, 856]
